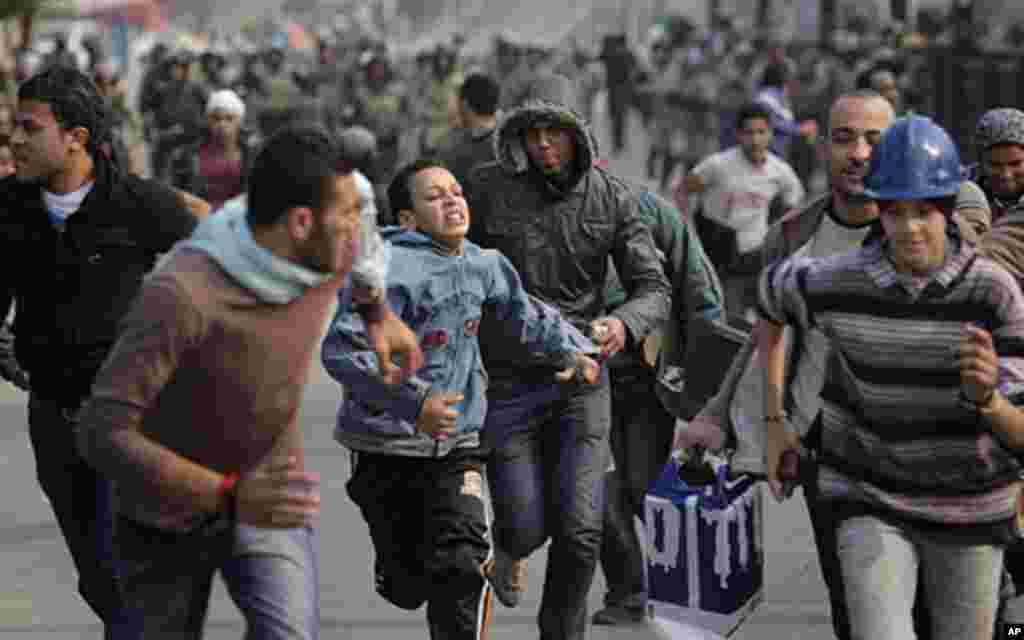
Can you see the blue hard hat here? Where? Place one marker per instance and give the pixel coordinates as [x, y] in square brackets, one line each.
[915, 160]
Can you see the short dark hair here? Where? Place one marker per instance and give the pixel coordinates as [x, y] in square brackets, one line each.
[74, 100]
[862, 93]
[752, 111]
[400, 190]
[775, 75]
[482, 93]
[946, 204]
[295, 168]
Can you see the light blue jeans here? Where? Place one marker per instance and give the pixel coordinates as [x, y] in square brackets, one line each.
[271, 575]
[880, 563]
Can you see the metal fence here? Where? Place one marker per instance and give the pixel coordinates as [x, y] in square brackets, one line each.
[959, 86]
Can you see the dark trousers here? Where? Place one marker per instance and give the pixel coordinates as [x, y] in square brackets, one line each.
[428, 523]
[1015, 566]
[81, 502]
[620, 100]
[641, 440]
[550, 444]
[825, 523]
[740, 293]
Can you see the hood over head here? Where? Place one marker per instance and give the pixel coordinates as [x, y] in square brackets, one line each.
[399, 236]
[548, 102]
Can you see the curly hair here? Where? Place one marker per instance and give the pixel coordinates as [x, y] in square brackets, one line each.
[75, 101]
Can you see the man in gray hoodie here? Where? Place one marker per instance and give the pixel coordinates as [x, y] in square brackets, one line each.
[560, 221]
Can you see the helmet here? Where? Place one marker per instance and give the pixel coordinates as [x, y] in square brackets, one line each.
[357, 144]
[999, 126]
[915, 160]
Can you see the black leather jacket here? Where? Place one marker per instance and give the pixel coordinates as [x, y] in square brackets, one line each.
[560, 238]
[71, 287]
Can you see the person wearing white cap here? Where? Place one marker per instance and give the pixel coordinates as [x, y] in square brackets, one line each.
[215, 167]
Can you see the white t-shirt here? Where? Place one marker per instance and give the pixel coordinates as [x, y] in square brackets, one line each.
[834, 238]
[738, 194]
[60, 206]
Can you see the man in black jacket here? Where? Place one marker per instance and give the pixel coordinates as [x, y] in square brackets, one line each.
[77, 236]
[559, 220]
[645, 387]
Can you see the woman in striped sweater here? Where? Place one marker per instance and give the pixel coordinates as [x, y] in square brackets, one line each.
[920, 429]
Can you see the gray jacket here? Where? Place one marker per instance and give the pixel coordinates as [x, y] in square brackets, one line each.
[559, 236]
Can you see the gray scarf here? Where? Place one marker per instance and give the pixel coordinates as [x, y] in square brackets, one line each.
[226, 238]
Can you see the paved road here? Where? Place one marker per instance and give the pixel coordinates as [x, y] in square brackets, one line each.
[38, 600]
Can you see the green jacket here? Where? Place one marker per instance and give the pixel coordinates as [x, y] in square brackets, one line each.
[695, 286]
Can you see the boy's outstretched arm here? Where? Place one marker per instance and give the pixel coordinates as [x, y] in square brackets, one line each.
[542, 327]
[353, 357]
[388, 337]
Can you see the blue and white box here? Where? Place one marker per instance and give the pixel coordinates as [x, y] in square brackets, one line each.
[705, 562]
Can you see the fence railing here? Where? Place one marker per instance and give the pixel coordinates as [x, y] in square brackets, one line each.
[958, 86]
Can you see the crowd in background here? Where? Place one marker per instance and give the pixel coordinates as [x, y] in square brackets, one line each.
[685, 82]
[768, 159]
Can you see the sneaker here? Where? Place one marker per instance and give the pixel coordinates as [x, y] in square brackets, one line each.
[507, 577]
[615, 615]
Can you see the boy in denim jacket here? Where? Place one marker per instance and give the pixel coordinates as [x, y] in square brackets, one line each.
[418, 458]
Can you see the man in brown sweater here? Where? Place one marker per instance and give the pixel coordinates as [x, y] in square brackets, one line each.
[193, 416]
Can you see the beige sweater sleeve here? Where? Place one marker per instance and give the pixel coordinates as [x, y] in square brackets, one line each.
[972, 212]
[1004, 243]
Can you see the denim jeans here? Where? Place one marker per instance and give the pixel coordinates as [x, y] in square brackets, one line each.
[882, 563]
[271, 575]
[550, 454]
[641, 440]
[81, 502]
[824, 521]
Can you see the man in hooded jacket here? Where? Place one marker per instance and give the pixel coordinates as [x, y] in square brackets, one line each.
[561, 221]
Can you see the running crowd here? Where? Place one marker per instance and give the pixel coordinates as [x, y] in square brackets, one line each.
[508, 321]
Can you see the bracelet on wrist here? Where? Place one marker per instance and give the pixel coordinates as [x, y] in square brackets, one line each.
[989, 405]
[227, 495]
[779, 418]
[981, 406]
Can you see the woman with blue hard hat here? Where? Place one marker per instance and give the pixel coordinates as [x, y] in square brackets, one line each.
[920, 430]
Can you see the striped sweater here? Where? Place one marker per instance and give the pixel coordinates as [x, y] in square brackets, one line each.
[894, 436]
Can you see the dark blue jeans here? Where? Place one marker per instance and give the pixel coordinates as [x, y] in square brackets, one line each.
[641, 440]
[550, 453]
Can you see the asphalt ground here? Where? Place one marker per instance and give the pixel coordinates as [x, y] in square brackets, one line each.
[38, 599]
